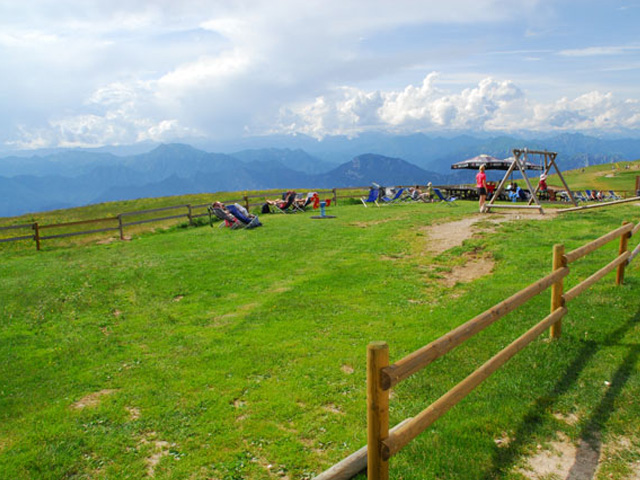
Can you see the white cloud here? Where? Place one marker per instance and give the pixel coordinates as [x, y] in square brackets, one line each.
[491, 106]
[116, 72]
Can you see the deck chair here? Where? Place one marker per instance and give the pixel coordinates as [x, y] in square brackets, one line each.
[286, 206]
[228, 220]
[448, 200]
[613, 196]
[249, 222]
[581, 196]
[373, 197]
[395, 198]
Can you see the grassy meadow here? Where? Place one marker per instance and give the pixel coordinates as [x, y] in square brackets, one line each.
[205, 353]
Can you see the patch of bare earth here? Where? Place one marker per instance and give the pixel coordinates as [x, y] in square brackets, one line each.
[91, 400]
[565, 460]
[348, 369]
[134, 413]
[445, 236]
[473, 269]
[159, 448]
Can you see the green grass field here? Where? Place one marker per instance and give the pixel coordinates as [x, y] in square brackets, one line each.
[200, 353]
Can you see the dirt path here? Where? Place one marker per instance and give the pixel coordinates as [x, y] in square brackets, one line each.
[444, 236]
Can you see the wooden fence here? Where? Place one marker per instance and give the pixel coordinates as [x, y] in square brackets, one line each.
[127, 219]
[107, 224]
[382, 443]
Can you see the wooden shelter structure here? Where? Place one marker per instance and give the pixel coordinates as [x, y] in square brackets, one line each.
[520, 159]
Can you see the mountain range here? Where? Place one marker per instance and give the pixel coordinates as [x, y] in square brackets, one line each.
[67, 178]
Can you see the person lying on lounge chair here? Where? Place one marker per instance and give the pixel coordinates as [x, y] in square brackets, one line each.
[280, 205]
[241, 213]
[416, 194]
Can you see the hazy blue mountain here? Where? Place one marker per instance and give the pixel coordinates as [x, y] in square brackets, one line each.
[65, 178]
[368, 168]
[297, 159]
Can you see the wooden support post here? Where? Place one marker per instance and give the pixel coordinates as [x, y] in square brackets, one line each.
[246, 202]
[377, 411]
[557, 289]
[36, 235]
[190, 214]
[335, 196]
[120, 227]
[624, 244]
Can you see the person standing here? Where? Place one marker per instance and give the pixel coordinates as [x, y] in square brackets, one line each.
[481, 185]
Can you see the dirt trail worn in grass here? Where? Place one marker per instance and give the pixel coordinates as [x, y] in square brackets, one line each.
[444, 236]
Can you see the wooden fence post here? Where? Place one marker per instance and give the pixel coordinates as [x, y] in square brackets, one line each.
[557, 289]
[246, 202]
[377, 411]
[189, 214]
[335, 196]
[624, 244]
[120, 226]
[36, 235]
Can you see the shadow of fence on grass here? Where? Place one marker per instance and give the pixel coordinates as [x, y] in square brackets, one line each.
[586, 462]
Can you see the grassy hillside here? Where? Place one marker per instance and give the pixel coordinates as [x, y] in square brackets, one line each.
[620, 177]
[208, 353]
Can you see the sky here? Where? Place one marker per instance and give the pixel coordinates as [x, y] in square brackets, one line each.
[90, 73]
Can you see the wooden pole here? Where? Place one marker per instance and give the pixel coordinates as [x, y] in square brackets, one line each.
[403, 435]
[624, 244]
[190, 214]
[120, 227]
[246, 202]
[578, 253]
[353, 464]
[597, 205]
[377, 411]
[422, 357]
[36, 235]
[557, 289]
[335, 196]
[582, 286]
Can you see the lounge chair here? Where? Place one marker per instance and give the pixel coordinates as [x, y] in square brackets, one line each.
[286, 206]
[448, 200]
[373, 197]
[613, 196]
[249, 222]
[228, 220]
[580, 196]
[395, 198]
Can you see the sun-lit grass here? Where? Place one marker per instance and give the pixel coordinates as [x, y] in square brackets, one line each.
[620, 177]
[241, 354]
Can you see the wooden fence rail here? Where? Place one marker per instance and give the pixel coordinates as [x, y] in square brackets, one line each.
[383, 443]
[119, 223]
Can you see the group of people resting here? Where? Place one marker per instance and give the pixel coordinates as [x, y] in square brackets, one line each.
[413, 193]
[234, 215]
[291, 201]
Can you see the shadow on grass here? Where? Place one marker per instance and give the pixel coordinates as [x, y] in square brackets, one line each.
[586, 462]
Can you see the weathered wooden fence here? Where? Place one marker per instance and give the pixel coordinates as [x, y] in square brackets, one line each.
[107, 224]
[383, 443]
[127, 219]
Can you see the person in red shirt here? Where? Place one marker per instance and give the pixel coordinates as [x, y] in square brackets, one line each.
[481, 185]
